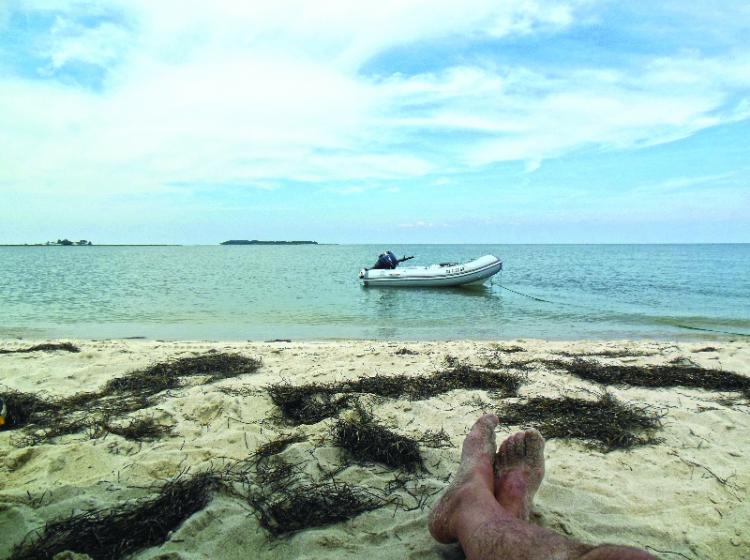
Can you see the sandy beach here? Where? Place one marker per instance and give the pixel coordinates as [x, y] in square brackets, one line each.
[684, 496]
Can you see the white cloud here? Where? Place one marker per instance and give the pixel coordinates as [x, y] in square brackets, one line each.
[530, 116]
[254, 93]
[532, 165]
[100, 45]
[418, 224]
[676, 184]
[359, 189]
[527, 16]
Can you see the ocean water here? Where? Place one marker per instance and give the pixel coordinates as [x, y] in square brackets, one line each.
[312, 292]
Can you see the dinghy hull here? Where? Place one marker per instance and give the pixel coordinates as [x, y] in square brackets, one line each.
[473, 272]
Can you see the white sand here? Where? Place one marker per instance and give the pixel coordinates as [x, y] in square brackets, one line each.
[668, 496]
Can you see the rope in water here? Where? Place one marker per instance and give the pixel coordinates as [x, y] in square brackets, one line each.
[530, 297]
[578, 305]
[711, 330]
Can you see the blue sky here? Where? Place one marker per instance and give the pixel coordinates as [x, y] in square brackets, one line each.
[401, 121]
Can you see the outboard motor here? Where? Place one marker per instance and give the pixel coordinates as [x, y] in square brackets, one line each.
[387, 261]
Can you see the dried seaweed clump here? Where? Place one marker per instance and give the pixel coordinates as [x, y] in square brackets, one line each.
[46, 347]
[62, 426]
[436, 439]
[672, 375]
[468, 377]
[274, 474]
[142, 382]
[425, 387]
[70, 415]
[217, 365]
[706, 349]
[50, 418]
[607, 423]
[624, 353]
[311, 504]
[119, 396]
[139, 429]
[366, 440]
[307, 404]
[405, 352]
[497, 361]
[26, 408]
[166, 375]
[510, 349]
[276, 446]
[123, 530]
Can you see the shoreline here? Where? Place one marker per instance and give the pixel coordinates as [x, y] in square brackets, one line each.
[686, 494]
[688, 336]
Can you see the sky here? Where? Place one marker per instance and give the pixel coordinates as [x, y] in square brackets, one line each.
[398, 121]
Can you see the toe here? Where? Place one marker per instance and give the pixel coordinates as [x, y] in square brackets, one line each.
[518, 448]
[481, 438]
[489, 421]
[515, 449]
[534, 445]
[501, 457]
[507, 451]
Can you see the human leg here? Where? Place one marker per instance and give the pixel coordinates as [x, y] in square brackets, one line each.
[486, 508]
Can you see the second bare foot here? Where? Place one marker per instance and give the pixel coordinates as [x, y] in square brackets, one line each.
[519, 469]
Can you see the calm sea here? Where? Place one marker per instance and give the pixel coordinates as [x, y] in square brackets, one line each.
[312, 292]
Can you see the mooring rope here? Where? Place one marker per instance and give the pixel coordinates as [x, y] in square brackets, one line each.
[531, 297]
[592, 308]
[711, 330]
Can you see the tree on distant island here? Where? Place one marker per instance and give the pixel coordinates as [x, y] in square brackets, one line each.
[68, 242]
[257, 242]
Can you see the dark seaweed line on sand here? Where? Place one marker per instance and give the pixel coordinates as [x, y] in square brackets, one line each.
[283, 499]
[311, 403]
[668, 375]
[363, 439]
[124, 529]
[47, 347]
[134, 391]
[606, 423]
[311, 504]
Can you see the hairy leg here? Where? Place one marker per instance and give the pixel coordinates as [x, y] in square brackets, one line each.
[471, 484]
[486, 507]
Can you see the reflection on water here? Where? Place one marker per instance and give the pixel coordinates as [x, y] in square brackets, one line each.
[263, 292]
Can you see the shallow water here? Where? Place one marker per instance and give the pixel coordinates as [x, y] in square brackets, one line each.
[312, 292]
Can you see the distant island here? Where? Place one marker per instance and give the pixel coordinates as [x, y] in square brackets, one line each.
[84, 243]
[68, 242]
[58, 243]
[256, 242]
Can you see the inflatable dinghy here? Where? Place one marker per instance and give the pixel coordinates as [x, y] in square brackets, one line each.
[386, 272]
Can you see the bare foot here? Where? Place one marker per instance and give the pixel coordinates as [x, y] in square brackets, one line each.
[519, 469]
[474, 476]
